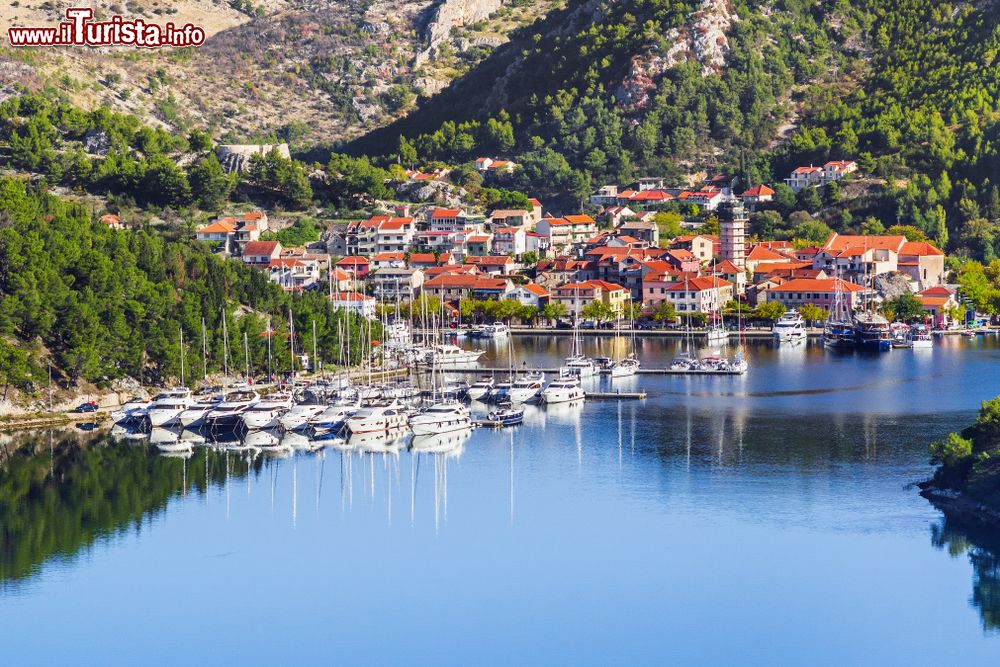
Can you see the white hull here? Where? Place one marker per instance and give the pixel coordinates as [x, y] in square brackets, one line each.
[560, 396]
[439, 427]
[178, 447]
[298, 417]
[523, 395]
[622, 371]
[922, 344]
[163, 416]
[254, 420]
[477, 393]
[789, 336]
[193, 417]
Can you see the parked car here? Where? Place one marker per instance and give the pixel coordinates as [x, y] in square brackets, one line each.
[561, 324]
[89, 406]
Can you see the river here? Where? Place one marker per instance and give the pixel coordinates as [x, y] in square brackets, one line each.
[766, 519]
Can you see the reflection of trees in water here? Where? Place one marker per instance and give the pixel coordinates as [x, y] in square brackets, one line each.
[61, 492]
[982, 546]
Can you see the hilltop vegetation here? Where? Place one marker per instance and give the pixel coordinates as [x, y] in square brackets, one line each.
[103, 304]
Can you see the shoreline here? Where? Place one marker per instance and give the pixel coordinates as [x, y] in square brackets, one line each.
[959, 506]
[678, 333]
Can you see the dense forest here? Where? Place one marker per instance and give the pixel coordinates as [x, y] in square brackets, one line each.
[103, 304]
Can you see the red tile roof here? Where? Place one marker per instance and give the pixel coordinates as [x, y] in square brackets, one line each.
[260, 248]
[822, 285]
[920, 249]
[759, 191]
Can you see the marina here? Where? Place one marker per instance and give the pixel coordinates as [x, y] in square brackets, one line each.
[754, 494]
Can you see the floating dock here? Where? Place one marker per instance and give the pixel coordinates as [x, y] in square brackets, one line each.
[619, 395]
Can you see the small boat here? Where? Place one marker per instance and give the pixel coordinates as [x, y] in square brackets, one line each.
[506, 415]
[333, 419]
[480, 389]
[920, 337]
[564, 389]
[790, 328]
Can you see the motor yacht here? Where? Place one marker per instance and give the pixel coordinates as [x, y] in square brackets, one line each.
[133, 410]
[228, 414]
[299, 415]
[480, 389]
[441, 417]
[565, 389]
[446, 354]
[168, 405]
[267, 413]
[526, 388]
[495, 330]
[920, 337]
[580, 366]
[377, 419]
[790, 328]
[506, 415]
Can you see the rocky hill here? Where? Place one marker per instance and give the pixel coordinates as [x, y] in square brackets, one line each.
[302, 70]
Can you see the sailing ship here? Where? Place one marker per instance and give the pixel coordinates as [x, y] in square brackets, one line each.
[838, 331]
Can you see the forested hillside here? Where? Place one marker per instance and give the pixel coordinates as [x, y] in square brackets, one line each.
[102, 304]
[603, 92]
[606, 91]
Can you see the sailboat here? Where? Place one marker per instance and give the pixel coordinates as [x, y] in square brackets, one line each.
[577, 363]
[716, 326]
[443, 415]
[838, 332]
[628, 365]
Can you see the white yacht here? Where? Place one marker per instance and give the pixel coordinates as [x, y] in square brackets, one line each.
[168, 405]
[920, 337]
[627, 367]
[299, 415]
[526, 387]
[195, 415]
[495, 330]
[451, 444]
[480, 389]
[447, 354]
[565, 389]
[441, 417]
[377, 419]
[580, 366]
[267, 413]
[229, 412]
[500, 392]
[716, 334]
[789, 328]
[333, 418]
[133, 409]
[268, 440]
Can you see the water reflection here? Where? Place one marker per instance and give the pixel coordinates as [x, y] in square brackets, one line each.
[981, 545]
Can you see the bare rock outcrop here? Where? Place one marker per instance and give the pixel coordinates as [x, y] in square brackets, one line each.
[447, 14]
[236, 157]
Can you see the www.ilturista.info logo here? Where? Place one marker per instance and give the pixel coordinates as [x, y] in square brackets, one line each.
[80, 30]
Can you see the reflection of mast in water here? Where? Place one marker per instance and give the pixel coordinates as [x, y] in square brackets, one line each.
[320, 466]
[295, 491]
[871, 437]
[229, 471]
[688, 438]
[511, 477]
[619, 438]
[739, 418]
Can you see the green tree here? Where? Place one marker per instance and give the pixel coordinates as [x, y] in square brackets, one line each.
[769, 310]
[951, 451]
[211, 186]
[665, 312]
[812, 313]
[907, 307]
[554, 310]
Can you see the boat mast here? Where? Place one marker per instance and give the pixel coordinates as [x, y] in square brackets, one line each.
[204, 350]
[182, 354]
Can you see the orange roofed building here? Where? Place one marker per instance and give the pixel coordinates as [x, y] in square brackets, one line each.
[576, 295]
[820, 292]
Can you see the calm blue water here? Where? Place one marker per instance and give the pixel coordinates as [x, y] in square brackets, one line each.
[766, 519]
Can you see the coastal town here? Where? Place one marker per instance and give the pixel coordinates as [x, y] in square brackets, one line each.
[618, 262]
